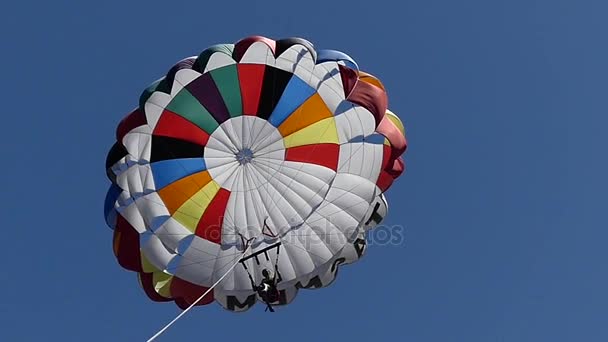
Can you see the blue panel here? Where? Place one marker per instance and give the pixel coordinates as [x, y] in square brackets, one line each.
[108, 208]
[184, 244]
[374, 138]
[174, 264]
[357, 139]
[333, 55]
[157, 222]
[296, 93]
[145, 237]
[168, 171]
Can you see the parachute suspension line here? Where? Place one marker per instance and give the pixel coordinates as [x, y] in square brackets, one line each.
[201, 297]
[266, 227]
[276, 262]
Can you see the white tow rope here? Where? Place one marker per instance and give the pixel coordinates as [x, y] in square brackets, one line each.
[199, 298]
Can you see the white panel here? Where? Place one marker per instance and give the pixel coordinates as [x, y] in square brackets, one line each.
[151, 206]
[272, 206]
[132, 215]
[353, 121]
[136, 142]
[232, 134]
[225, 259]
[301, 259]
[266, 135]
[219, 140]
[314, 243]
[331, 98]
[148, 178]
[183, 77]
[355, 185]
[154, 107]
[312, 175]
[155, 252]
[171, 233]
[297, 60]
[274, 144]
[257, 53]
[218, 60]
[129, 180]
[361, 159]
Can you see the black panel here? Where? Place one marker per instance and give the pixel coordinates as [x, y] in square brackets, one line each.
[170, 78]
[164, 148]
[284, 44]
[117, 152]
[275, 81]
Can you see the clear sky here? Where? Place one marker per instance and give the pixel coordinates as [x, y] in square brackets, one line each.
[503, 204]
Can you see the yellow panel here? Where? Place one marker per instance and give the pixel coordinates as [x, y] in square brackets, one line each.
[190, 212]
[139, 280]
[116, 242]
[162, 283]
[395, 119]
[147, 265]
[175, 194]
[311, 111]
[323, 131]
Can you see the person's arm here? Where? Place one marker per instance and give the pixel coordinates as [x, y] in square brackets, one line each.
[276, 266]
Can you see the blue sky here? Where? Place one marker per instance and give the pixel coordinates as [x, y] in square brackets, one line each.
[503, 203]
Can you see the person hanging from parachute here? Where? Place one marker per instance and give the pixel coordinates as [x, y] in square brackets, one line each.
[267, 289]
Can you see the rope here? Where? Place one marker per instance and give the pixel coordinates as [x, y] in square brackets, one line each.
[199, 298]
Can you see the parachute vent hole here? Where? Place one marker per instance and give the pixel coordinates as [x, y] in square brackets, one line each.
[244, 156]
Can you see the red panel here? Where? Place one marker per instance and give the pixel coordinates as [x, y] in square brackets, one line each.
[148, 285]
[371, 98]
[186, 293]
[242, 45]
[391, 169]
[349, 79]
[326, 155]
[126, 245]
[397, 168]
[394, 136]
[386, 156]
[210, 225]
[384, 181]
[251, 78]
[135, 119]
[176, 126]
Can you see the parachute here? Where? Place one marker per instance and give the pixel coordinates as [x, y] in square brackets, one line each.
[269, 154]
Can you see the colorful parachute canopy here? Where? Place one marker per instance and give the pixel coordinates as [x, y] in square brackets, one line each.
[268, 144]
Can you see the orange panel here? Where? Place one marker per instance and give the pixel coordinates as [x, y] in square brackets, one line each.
[365, 77]
[311, 111]
[177, 193]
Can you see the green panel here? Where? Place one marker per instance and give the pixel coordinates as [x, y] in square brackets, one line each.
[203, 58]
[227, 81]
[145, 95]
[187, 106]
